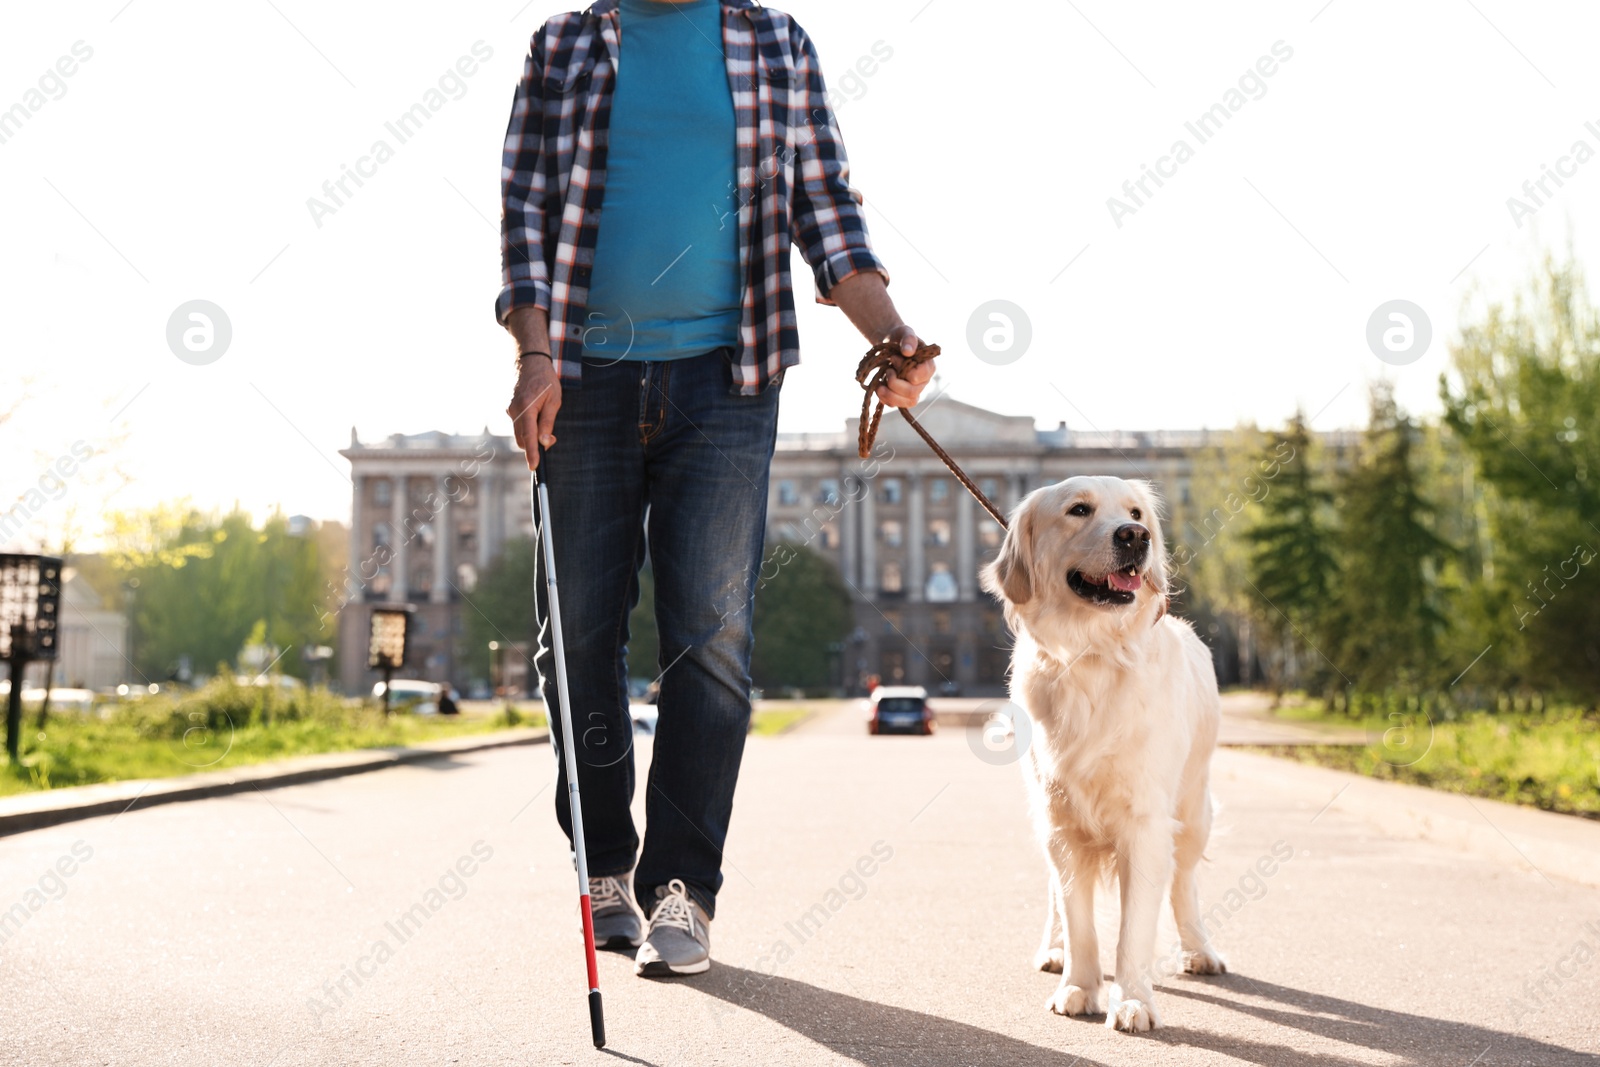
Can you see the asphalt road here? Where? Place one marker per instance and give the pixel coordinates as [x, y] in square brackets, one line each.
[234, 930]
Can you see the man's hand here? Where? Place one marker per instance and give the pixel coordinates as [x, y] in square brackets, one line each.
[534, 404]
[865, 301]
[899, 391]
[537, 397]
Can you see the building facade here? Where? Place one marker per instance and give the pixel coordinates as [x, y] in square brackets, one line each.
[432, 511]
[909, 540]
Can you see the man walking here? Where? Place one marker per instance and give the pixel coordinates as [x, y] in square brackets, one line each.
[649, 207]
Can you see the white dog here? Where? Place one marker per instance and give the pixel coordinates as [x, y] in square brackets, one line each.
[1123, 701]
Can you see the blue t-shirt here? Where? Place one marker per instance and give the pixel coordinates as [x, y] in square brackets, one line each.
[665, 282]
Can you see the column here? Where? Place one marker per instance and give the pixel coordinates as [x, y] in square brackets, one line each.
[869, 538]
[399, 505]
[358, 548]
[442, 579]
[848, 540]
[966, 547]
[916, 539]
[487, 491]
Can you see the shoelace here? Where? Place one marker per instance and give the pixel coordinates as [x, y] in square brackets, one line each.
[606, 892]
[674, 909]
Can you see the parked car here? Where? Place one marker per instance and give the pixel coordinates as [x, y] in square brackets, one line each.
[644, 718]
[62, 698]
[411, 694]
[285, 682]
[899, 709]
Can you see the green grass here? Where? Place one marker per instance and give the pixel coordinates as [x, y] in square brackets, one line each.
[221, 726]
[1548, 759]
[769, 721]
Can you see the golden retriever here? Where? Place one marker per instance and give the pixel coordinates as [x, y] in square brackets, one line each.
[1124, 709]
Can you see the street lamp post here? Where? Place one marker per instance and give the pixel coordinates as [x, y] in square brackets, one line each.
[30, 602]
[494, 669]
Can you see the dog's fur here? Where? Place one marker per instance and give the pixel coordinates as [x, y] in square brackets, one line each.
[1124, 708]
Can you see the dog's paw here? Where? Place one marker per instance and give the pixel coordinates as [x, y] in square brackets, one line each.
[1052, 960]
[1071, 999]
[1131, 1014]
[1205, 961]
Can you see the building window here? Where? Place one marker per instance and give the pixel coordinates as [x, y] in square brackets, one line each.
[787, 494]
[892, 493]
[382, 492]
[989, 533]
[942, 623]
[380, 584]
[939, 532]
[425, 534]
[991, 489]
[941, 588]
[380, 534]
[939, 490]
[891, 622]
[422, 580]
[890, 534]
[467, 536]
[829, 535]
[467, 577]
[892, 582]
[828, 492]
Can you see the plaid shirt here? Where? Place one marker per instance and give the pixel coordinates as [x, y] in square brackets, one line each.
[793, 180]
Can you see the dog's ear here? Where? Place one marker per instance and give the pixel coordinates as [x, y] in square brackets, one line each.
[1008, 577]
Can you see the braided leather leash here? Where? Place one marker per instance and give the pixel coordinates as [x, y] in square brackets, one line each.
[872, 372]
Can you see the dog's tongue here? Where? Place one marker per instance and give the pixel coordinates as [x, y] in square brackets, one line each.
[1127, 583]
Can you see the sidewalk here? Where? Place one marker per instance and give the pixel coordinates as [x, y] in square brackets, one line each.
[882, 900]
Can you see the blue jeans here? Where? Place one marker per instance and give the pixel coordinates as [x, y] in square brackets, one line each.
[665, 455]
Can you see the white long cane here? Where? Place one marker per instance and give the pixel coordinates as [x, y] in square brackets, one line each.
[540, 493]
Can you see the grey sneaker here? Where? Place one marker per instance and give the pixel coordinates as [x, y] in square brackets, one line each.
[616, 919]
[680, 935]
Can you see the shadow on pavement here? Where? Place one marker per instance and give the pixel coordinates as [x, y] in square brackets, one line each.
[1416, 1039]
[878, 1035]
[881, 1035]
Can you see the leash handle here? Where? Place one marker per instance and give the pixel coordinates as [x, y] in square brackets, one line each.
[873, 370]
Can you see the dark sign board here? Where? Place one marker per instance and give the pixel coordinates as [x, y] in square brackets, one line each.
[388, 636]
[30, 607]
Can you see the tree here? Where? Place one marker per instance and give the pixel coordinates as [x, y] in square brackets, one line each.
[1204, 524]
[801, 609]
[1523, 397]
[200, 584]
[1292, 565]
[1386, 629]
[500, 608]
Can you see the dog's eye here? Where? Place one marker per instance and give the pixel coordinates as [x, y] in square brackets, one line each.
[1136, 514]
[1080, 510]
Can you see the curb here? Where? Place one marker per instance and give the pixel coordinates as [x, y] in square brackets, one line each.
[34, 811]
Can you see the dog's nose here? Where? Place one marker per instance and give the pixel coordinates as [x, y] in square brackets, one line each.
[1132, 535]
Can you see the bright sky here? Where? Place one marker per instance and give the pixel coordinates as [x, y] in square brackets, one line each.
[175, 162]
